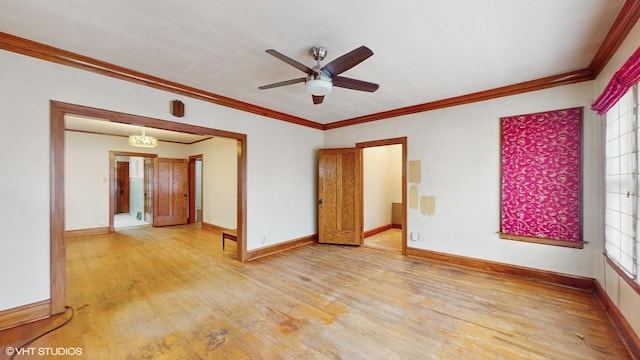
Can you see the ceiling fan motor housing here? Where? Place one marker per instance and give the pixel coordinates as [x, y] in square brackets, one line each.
[318, 53]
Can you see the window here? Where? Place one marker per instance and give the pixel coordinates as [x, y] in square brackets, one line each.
[621, 183]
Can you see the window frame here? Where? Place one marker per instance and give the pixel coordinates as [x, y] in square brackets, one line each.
[632, 275]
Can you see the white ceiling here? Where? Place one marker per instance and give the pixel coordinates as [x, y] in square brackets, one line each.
[101, 127]
[423, 50]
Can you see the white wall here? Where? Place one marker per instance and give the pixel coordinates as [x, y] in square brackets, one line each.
[199, 185]
[382, 168]
[26, 88]
[459, 152]
[623, 296]
[219, 180]
[395, 172]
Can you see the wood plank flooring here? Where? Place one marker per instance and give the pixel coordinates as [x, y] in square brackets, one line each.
[389, 240]
[171, 293]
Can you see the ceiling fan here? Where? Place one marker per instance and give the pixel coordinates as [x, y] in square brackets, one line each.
[320, 80]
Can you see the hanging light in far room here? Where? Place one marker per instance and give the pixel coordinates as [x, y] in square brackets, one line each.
[143, 140]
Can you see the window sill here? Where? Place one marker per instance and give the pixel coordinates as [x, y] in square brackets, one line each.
[562, 243]
[634, 285]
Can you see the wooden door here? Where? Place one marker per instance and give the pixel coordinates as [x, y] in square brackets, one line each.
[170, 191]
[148, 190]
[339, 196]
[122, 177]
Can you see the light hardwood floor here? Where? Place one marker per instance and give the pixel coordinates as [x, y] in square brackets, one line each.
[171, 293]
[389, 240]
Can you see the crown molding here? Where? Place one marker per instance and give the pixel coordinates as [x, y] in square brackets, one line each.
[625, 21]
[527, 86]
[49, 53]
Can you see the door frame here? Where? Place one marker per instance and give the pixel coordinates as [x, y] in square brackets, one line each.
[58, 111]
[112, 180]
[393, 141]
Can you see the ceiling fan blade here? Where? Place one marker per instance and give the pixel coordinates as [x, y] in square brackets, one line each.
[290, 61]
[317, 99]
[348, 60]
[354, 84]
[282, 83]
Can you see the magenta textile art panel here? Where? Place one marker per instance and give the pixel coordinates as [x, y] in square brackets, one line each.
[541, 190]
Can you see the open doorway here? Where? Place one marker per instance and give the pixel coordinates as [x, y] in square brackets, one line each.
[195, 189]
[89, 167]
[131, 189]
[383, 194]
[382, 197]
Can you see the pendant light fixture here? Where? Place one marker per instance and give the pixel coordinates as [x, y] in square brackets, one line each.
[143, 140]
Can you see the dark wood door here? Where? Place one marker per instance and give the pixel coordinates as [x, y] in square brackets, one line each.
[339, 196]
[170, 195]
[122, 176]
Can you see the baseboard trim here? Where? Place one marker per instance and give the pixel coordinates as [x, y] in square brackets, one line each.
[625, 331]
[212, 227]
[85, 232]
[577, 282]
[287, 245]
[377, 230]
[24, 314]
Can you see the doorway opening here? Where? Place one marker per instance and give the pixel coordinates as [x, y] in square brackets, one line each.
[384, 194]
[58, 111]
[195, 189]
[131, 179]
[341, 202]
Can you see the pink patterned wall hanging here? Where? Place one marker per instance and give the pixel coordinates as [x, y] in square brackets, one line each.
[541, 189]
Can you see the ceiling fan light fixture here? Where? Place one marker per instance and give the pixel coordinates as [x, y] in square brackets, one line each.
[319, 83]
[319, 87]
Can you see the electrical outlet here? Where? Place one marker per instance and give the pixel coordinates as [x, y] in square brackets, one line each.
[415, 236]
[263, 239]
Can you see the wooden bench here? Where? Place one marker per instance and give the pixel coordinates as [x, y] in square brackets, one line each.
[231, 234]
